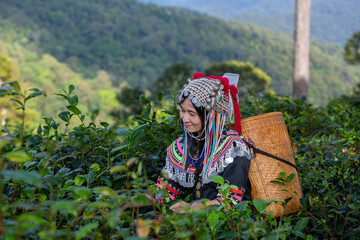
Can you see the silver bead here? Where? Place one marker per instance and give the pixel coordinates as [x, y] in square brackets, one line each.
[221, 87]
[186, 93]
[208, 100]
[212, 94]
[216, 88]
[218, 82]
[208, 108]
[189, 80]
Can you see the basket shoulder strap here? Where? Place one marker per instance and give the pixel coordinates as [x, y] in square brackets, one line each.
[256, 150]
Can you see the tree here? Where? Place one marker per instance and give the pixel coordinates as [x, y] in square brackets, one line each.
[301, 64]
[352, 49]
[128, 97]
[251, 78]
[174, 76]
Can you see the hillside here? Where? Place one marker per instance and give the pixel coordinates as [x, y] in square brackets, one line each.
[45, 72]
[279, 15]
[134, 42]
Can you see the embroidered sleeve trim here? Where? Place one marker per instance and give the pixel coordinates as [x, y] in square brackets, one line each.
[235, 196]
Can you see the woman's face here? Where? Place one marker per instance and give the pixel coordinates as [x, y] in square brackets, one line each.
[190, 117]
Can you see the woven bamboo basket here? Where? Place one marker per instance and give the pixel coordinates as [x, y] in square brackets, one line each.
[268, 133]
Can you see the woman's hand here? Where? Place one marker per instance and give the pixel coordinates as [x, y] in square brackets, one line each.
[180, 206]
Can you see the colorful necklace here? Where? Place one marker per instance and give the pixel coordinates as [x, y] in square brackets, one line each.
[199, 160]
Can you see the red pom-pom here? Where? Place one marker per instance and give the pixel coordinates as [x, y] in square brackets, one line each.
[198, 75]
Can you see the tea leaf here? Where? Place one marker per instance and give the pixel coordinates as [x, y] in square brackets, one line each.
[73, 109]
[217, 179]
[83, 231]
[290, 177]
[17, 157]
[79, 180]
[301, 224]
[260, 205]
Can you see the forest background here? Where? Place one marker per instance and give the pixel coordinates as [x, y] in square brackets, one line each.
[102, 46]
[107, 60]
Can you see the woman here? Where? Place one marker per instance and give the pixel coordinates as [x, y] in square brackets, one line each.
[206, 148]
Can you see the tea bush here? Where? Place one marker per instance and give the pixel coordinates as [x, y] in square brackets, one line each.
[61, 183]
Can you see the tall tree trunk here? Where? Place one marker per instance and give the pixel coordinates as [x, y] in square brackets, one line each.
[301, 65]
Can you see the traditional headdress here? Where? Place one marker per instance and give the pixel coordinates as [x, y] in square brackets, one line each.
[219, 98]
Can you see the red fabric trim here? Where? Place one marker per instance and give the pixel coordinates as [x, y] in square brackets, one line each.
[237, 191]
[168, 187]
[172, 190]
[237, 112]
[161, 181]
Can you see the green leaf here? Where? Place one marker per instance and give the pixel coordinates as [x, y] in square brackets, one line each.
[100, 205]
[123, 132]
[282, 175]
[135, 134]
[118, 168]
[228, 235]
[7, 88]
[95, 167]
[15, 100]
[17, 157]
[74, 100]
[69, 183]
[105, 124]
[260, 205]
[183, 235]
[65, 205]
[301, 224]
[33, 89]
[65, 116]
[71, 88]
[35, 94]
[14, 84]
[29, 164]
[80, 193]
[160, 96]
[121, 147]
[32, 178]
[217, 179]
[47, 121]
[39, 130]
[290, 177]
[90, 177]
[299, 234]
[107, 192]
[73, 109]
[31, 218]
[64, 96]
[213, 219]
[278, 183]
[79, 180]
